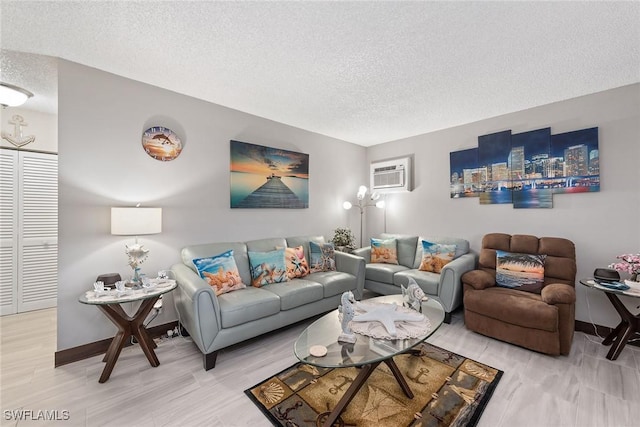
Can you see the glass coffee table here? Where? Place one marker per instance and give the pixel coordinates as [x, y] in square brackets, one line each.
[366, 353]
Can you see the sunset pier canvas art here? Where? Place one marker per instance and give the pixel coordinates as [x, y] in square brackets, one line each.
[265, 177]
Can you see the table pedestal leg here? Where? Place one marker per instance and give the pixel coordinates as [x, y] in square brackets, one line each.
[128, 326]
[114, 342]
[628, 326]
[613, 334]
[348, 396]
[399, 377]
[357, 384]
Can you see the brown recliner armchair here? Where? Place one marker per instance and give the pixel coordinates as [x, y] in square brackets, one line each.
[542, 322]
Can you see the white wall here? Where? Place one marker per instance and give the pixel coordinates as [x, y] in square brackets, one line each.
[101, 118]
[42, 125]
[602, 225]
[102, 164]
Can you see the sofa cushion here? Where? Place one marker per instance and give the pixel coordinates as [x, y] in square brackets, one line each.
[559, 266]
[524, 272]
[435, 256]
[246, 305]
[296, 292]
[523, 309]
[427, 281]
[406, 248]
[382, 272]
[297, 265]
[333, 282]
[462, 247]
[266, 245]
[221, 272]
[322, 257]
[267, 267]
[384, 251]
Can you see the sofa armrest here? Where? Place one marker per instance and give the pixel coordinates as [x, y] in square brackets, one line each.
[478, 279]
[197, 306]
[460, 265]
[364, 253]
[352, 264]
[450, 286]
[558, 293]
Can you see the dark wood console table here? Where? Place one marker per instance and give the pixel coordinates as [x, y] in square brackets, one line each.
[110, 304]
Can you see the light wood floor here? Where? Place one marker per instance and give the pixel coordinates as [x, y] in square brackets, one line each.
[583, 389]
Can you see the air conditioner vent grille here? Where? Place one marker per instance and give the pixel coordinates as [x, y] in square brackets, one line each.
[386, 168]
[391, 175]
[391, 178]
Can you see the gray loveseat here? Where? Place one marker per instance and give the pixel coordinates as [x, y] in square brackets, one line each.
[445, 287]
[215, 322]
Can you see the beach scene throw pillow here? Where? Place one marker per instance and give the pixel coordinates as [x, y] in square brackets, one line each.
[435, 256]
[221, 272]
[322, 257]
[297, 265]
[384, 251]
[524, 272]
[267, 267]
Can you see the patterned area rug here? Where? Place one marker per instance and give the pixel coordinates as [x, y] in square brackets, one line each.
[449, 389]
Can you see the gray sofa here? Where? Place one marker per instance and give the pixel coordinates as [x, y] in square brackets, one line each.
[445, 287]
[215, 322]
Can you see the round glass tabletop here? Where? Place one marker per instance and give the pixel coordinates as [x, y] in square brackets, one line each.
[114, 297]
[365, 350]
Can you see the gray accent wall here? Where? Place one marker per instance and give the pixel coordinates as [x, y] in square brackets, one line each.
[602, 225]
[101, 118]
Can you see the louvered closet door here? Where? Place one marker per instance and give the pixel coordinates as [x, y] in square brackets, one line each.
[8, 231]
[38, 224]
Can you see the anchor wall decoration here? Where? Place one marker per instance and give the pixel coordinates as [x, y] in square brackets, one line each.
[17, 138]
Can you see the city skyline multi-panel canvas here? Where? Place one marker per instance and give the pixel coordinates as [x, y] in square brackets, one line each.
[495, 149]
[527, 168]
[530, 154]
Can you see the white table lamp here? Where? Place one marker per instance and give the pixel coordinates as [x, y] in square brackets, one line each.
[136, 221]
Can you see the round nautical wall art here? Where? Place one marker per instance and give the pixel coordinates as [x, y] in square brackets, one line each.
[161, 143]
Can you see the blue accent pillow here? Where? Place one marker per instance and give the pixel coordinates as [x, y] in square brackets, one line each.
[436, 255]
[524, 272]
[267, 267]
[221, 272]
[322, 256]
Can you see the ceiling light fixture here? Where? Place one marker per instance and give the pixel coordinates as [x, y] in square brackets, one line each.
[12, 96]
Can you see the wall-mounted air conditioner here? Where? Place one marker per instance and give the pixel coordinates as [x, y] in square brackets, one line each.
[391, 175]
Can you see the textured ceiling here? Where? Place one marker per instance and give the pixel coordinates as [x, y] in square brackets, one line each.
[363, 72]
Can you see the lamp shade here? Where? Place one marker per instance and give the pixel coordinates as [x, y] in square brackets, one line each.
[136, 221]
[12, 96]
